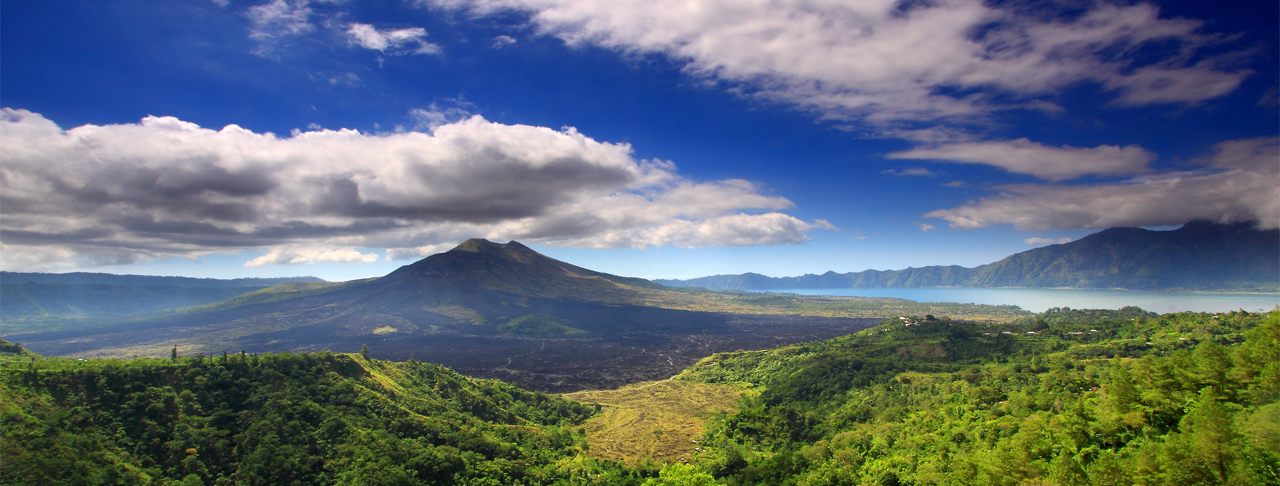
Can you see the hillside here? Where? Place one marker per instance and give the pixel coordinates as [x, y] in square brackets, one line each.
[1066, 397]
[318, 418]
[1197, 256]
[1069, 397]
[449, 308]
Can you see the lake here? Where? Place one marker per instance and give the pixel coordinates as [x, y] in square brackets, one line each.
[1039, 300]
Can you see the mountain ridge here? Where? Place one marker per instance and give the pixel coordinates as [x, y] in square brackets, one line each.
[94, 278]
[1223, 257]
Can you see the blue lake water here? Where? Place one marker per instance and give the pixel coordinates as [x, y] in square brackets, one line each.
[1038, 300]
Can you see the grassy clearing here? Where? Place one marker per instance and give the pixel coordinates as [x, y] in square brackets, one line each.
[656, 421]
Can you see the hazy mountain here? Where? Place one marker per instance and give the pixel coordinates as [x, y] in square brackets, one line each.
[85, 278]
[44, 298]
[1198, 256]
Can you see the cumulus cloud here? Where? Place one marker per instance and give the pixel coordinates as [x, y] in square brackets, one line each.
[925, 226]
[1240, 181]
[1046, 241]
[886, 62]
[391, 41]
[1023, 156]
[293, 256]
[166, 187]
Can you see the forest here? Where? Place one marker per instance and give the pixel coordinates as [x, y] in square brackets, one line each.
[1069, 397]
[1065, 397]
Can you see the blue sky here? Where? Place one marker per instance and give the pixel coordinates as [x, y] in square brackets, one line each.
[343, 139]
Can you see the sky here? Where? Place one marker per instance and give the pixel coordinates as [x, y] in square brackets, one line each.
[657, 138]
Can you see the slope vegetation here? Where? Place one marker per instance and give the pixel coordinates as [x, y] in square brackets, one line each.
[276, 419]
[1066, 398]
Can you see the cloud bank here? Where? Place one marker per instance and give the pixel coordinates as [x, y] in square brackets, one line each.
[165, 187]
[1239, 182]
[1023, 156]
[890, 63]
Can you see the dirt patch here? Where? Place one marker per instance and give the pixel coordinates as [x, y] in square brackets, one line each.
[660, 421]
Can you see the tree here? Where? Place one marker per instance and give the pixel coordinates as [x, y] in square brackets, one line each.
[173, 355]
[681, 475]
[364, 351]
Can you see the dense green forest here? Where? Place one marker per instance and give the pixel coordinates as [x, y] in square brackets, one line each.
[1065, 397]
[279, 419]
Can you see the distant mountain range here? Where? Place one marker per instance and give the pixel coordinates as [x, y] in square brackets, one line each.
[69, 297]
[84, 278]
[1198, 256]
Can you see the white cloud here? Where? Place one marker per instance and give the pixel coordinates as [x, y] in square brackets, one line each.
[419, 252]
[279, 18]
[38, 258]
[1046, 241]
[887, 61]
[1239, 182]
[925, 226]
[1023, 156]
[392, 41]
[503, 41]
[295, 256]
[165, 187]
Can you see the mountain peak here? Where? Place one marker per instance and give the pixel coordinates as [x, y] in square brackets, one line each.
[483, 246]
[510, 267]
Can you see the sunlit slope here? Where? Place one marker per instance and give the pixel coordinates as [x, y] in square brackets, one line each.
[1068, 397]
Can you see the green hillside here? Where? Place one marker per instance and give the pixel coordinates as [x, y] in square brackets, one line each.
[319, 418]
[1065, 398]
